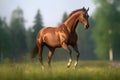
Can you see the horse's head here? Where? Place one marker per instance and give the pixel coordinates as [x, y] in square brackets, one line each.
[83, 18]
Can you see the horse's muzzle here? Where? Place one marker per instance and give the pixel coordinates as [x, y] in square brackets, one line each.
[87, 26]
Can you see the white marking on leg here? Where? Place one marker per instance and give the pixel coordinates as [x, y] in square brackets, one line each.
[76, 64]
[69, 63]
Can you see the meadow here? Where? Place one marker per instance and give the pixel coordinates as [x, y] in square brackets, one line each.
[86, 70]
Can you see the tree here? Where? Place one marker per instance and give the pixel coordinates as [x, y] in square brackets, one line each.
[64, 16]
[38, 25]
[106, 31]
[5, 39]
[29, 39]
[18, 33]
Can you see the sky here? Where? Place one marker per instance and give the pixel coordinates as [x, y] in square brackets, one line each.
[51, 10]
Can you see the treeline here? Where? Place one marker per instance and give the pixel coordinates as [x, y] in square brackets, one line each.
[106, 32]
[15, 40]
[95, 43]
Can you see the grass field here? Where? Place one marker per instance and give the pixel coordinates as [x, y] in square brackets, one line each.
[86, 70]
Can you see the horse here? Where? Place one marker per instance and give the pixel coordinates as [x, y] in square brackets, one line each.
[61, 37]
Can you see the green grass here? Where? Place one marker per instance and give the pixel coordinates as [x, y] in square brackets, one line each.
[86, 70]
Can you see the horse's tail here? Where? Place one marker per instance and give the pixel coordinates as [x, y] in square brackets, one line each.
[34, 52]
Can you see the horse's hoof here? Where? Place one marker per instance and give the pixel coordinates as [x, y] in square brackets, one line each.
[68, 66]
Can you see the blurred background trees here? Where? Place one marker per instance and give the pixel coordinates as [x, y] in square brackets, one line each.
[18, 33]
[107, 28]
[5, 39]
[38, 24]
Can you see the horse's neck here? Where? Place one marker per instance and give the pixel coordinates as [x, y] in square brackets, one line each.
[71, 23]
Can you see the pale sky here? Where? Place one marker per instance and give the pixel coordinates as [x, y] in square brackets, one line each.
[51, 10]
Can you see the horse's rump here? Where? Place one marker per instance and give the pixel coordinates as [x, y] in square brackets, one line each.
[49, 36]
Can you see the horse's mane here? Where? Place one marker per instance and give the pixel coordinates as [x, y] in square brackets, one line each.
[73, 13]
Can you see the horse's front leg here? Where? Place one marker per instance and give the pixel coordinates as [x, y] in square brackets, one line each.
[64, 45]
[77, 54]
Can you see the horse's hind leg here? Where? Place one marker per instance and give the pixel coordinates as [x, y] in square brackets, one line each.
[50, 54]
[69, 51]
[40, 48]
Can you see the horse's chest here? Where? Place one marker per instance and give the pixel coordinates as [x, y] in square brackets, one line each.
[72, 38]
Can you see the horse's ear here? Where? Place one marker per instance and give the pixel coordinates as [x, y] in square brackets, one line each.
[84, 8]
[88, 9]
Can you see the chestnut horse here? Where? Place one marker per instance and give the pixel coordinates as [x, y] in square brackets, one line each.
[61, 36]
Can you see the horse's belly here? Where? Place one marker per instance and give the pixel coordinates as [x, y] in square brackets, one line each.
[51, 40]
